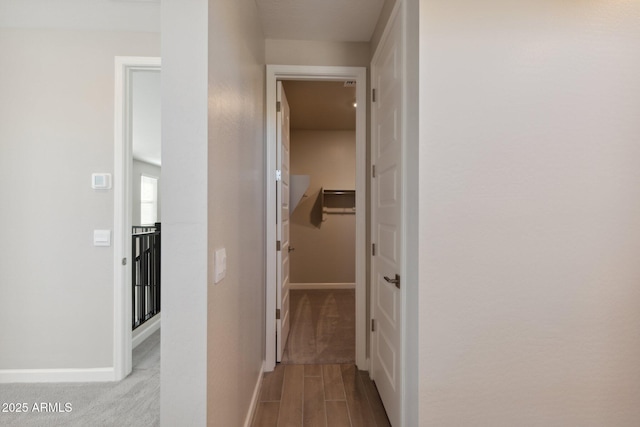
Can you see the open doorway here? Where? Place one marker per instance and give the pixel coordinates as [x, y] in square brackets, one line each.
[322, 221]
[146, 205]
[137, 123]
[277, 292]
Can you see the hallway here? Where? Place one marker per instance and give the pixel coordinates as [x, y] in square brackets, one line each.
[319, 395]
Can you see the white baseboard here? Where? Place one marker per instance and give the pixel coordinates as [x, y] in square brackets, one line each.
[254, 399]
[322, 285]
[366, 366]
[143, 332]
[56, 375]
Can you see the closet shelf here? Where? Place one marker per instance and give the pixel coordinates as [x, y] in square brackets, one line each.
[338, 202]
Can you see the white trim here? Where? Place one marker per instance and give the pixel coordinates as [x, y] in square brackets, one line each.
[122, 173]
[143, 332]
[56, 375]
[404, 410]
[248, 421]
[322, 285]
[300, 72]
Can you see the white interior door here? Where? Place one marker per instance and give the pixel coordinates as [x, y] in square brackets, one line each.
[282, 220]
[387, 222]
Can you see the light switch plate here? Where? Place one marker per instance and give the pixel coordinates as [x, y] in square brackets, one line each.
[101, 181]
[220, 265]
[101, 237]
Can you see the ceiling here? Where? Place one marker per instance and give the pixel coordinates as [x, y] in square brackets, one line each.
[321, 105]
[325, 20]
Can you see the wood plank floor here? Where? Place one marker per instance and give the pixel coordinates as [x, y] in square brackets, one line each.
[323, 327]
[319, 396]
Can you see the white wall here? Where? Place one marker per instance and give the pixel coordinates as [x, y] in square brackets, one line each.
[183, 382]
[56, 129]
[146, 169]
[102, 15]
[213, 189]
[530, 213]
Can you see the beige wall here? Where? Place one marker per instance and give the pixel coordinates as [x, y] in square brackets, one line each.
[56, 129]
[313, 52]
[529, 213]
[324, 250]
[213, 187]
[235, 209]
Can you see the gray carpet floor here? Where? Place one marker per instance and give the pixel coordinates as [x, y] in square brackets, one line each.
[323, 327]
[134, 401]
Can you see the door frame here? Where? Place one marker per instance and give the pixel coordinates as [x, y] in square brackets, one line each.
[316, 73]
[122, 182]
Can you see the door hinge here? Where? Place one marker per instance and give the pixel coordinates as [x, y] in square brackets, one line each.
[277, 314]
[373, 325]
[278, 175]
[373, 249]
[373, 95]
[373, 171]
[278, 107]
[278, 244]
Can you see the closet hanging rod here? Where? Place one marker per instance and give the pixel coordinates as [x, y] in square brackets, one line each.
[340, 192]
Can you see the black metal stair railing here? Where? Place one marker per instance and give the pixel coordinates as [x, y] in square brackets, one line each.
[145, 273]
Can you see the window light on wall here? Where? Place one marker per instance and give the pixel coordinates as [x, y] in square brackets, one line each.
[148, 200]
